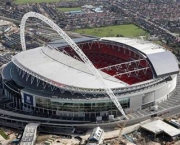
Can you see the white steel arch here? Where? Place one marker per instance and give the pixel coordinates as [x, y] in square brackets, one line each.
[75, 48]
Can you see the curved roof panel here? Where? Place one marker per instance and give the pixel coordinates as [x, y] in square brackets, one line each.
[57, 67]
[164, 63]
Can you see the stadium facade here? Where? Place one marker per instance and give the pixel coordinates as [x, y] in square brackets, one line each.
[52, 85]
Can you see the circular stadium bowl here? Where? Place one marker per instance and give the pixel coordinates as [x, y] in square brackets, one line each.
[53, 84]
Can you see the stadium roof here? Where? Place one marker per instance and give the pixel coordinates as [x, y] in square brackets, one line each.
[163, 62]
[145, 47]
[60, 68]
[62, 42]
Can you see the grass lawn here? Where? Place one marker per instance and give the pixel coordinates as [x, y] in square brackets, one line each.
[69, 9]
[38, 1]
[2, 133]
[129, 30]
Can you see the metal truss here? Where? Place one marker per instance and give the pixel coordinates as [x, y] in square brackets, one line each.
[126, 68]
[127, 64]
[136, 71]
[75, 48]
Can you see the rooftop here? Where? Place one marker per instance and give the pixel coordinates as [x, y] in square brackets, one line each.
[56, 68]
[156, 54]
[62, 42]
[159, 126]
[61, 69]
[146, 47]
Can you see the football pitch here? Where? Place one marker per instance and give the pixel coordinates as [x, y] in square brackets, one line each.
[38, 1]
[129, 30]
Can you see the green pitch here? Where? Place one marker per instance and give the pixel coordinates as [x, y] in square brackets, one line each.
[129, 30]
[69, 9]
[38, 1]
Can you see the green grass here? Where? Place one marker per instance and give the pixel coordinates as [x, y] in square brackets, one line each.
[129, 30]
[69, 9]
[38, 1]
[2, 133]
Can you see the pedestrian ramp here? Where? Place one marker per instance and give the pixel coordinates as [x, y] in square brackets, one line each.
[29, 134]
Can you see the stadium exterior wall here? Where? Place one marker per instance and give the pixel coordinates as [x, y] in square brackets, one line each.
[137, 100]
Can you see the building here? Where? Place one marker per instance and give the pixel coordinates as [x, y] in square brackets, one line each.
[96, 136]
[55, 83]
[51, 85]
[160, 128]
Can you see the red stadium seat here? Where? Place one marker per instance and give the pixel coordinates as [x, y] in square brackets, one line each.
[103, 55]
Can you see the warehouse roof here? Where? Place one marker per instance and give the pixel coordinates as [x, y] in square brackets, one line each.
[159, 126]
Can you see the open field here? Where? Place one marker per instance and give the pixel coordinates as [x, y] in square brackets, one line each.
[129, 30]
[39, 1]
[69, 9]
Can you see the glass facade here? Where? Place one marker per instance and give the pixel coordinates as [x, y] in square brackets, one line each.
[69, 110]
[79, 107]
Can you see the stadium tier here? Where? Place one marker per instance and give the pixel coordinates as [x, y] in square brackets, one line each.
[52, 84]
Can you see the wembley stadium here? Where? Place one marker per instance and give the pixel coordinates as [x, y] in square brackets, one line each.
[53, 85]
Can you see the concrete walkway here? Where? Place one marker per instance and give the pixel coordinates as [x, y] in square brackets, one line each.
[110, 134]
